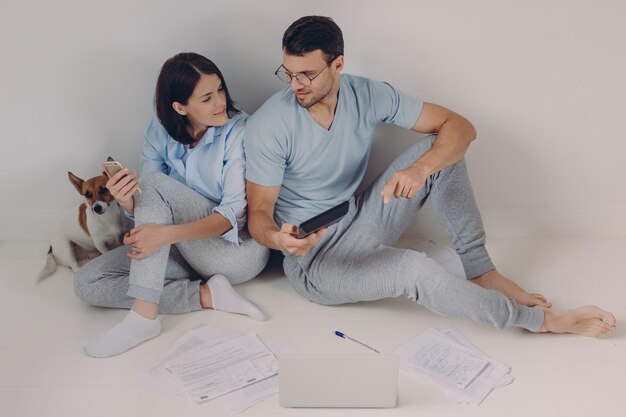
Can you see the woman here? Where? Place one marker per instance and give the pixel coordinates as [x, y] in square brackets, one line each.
[189, 213]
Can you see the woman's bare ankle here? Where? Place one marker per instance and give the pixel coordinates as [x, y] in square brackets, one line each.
[206, 299]
[145, 309]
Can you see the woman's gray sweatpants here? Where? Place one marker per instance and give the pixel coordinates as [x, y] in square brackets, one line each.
[171, 276]
[356, 260]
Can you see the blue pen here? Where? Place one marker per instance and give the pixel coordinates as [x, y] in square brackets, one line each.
[338, 333]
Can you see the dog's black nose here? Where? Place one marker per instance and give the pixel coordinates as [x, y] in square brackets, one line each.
[97, 208]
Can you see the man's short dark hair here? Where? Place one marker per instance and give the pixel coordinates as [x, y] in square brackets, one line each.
[310, 33]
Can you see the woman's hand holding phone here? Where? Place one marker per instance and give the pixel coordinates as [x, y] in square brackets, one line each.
[122, 185]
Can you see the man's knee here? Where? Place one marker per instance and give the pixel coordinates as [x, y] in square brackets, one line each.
[425, 144]
[422, 275]
[412, 154]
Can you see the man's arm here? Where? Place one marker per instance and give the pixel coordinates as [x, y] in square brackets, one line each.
[454, 135]
[261, 224]
[263, 228]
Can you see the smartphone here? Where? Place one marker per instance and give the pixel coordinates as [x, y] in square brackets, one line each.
[113, 167]
[322, 220]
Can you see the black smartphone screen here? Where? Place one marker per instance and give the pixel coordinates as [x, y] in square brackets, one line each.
[322, 220]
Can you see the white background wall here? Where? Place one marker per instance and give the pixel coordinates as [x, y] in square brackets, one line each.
[543, 81]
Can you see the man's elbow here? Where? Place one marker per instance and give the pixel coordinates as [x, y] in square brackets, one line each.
[468, 128]
[472, 132]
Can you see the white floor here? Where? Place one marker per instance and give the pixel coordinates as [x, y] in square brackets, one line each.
[44, 372]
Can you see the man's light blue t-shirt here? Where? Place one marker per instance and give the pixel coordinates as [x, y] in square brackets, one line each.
[320, 168]
[214, 169]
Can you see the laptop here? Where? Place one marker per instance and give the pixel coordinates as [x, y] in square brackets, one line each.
[338, 380]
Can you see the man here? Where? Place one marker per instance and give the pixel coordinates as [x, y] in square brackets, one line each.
[307, 149]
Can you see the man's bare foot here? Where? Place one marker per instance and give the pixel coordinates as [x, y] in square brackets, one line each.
[495, 281]
[586, 321]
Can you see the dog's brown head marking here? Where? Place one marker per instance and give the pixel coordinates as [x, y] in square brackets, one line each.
[94, 189]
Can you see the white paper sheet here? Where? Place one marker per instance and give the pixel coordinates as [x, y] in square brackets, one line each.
[457, 336]
[441, 359]
[156, 375]
[205, 374]
[449, 360]
[244, 398]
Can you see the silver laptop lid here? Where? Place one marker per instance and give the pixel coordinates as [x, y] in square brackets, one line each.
[369, 380]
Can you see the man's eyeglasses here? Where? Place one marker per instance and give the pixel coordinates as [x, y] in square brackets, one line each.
[300, 77]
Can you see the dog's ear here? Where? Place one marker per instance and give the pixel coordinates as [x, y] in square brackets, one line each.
[76, 182]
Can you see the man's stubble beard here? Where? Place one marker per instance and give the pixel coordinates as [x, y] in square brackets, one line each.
[315, 100]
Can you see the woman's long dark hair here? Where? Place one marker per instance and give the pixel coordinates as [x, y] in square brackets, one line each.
[177, 80]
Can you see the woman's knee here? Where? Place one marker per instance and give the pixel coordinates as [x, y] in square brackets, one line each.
[251, 265]
[153, 180]
[261, 256]
[84, 280]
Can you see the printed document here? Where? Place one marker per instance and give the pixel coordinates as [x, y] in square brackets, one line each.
[205, 374]
[158, 377]
[244, 398]
[448, 359]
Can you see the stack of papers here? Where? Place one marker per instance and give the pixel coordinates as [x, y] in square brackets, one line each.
[447, 358]
[208, 363]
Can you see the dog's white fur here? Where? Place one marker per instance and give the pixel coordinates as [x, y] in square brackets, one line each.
[103, 218]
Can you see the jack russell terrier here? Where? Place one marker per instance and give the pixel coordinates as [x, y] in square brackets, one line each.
[98, 224]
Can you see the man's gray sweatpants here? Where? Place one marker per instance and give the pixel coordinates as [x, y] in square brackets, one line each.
[171, 276]
[356, 260]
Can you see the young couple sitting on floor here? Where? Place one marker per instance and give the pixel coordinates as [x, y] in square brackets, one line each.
[306, 150]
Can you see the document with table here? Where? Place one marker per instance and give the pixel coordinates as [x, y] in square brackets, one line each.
[207, 363]
[447, 358]
[207, 373]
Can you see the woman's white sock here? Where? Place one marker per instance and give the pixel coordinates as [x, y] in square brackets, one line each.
[225, 298]
[128, 333]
